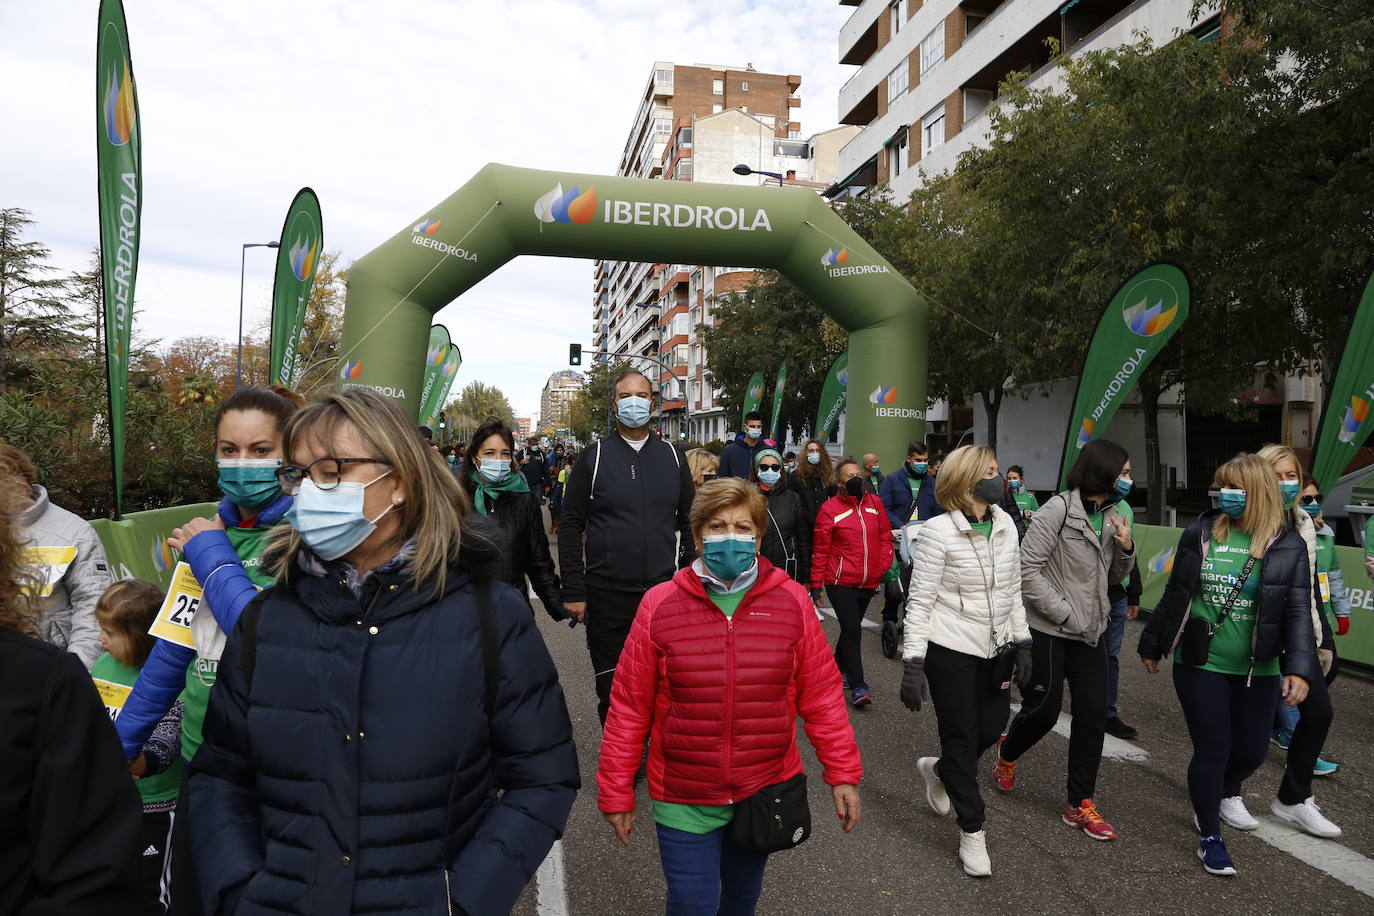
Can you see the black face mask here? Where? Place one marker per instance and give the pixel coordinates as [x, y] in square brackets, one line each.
[990, 490]
[854, 486]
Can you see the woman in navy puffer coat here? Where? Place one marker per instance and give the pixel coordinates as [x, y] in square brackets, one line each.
[353, 760]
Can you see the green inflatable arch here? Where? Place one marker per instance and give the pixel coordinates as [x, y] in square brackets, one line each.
[395, 290]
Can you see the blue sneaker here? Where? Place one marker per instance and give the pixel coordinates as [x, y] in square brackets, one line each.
[861, 697]
[1281, 739]
[1215, 859]
[1325, 767]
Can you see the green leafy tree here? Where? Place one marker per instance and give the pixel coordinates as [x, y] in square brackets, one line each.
[35, 315]
[479, 401]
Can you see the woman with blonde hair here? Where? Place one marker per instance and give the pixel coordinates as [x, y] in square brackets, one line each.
[391, 676]
[964, 624]
[720, 662]
[1236, 614]
[703, 464]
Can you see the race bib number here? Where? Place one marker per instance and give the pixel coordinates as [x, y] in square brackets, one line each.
[1324, 585]
[113, 696]
[179, 608]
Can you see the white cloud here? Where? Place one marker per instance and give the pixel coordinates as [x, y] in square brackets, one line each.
[384, 109]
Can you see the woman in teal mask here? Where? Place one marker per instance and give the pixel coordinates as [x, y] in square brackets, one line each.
[224, 553]
[501, 495]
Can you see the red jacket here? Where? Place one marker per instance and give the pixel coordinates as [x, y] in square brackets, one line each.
[853, 542]
[719, 698]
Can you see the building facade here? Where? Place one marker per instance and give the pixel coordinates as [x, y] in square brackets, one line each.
[929, 70]
[555, 401]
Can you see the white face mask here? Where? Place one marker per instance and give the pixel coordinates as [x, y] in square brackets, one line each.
[331, 521]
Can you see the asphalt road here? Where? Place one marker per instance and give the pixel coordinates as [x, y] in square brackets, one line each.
[903, 858]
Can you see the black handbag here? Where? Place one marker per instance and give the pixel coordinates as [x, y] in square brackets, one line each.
[1195, 644]
[774, 818]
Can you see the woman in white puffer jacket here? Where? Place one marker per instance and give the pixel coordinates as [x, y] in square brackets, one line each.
[964, 625]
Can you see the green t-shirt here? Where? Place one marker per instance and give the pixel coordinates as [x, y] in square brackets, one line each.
[1326, 561]
[1095, 519]
[701, 818]
[984, 528]
[1231, 643]
[115, 681]
[1026, 501]
[200, 676]
[915, 483]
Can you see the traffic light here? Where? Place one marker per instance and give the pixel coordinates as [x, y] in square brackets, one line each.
[574, 354]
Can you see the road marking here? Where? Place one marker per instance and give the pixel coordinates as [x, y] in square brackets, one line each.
[829, 612]
[1113, 748]
[1345, 865]
[551, 883]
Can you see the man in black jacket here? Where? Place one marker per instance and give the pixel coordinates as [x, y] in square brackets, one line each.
[623, 527]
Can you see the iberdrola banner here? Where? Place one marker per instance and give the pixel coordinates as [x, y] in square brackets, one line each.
[781, 386]
[1346, 420]
[753, 396]
[120, 191]
[442, 360]
[1146, 311]
[833, 396]
[302, 240]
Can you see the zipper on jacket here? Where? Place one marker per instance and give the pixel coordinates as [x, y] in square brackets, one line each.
[729, 700]
[863, 536]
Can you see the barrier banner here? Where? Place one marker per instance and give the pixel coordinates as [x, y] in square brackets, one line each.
[1346, 419]
[119, 181]
[1145, 313]
[136, 545]
[834, 393]
[302, 240]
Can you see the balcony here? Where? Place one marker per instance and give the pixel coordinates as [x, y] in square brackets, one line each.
[859, 34]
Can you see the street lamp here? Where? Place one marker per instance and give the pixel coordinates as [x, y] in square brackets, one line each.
[238, 364]
[743, 169]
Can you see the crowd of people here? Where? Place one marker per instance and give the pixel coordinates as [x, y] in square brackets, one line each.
[277, 760]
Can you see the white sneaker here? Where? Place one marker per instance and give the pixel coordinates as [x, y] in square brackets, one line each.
[1307, 816]
[1234, 814]
[973, 853]
[935, 789]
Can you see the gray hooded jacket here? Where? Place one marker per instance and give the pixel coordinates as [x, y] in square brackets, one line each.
[1066, 568]
[75, 573]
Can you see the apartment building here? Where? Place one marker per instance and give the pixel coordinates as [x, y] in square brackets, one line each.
[929, 70]
[556, 399]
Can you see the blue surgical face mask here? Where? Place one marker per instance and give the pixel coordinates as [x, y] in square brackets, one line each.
[493, 470]
[791, 466]
[875, 469]
[813, 458]
[1124, 486]
[1312, 509]
[1232, 502]
[1016, 486]
[632, 411]
[770, 478]
[753, 432]
[250, 483]
[918, 468]
[331, 522]
[728, 555]
[1290, 490]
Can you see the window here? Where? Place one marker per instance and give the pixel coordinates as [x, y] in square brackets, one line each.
[663, 127]
[898, 14]
[896, 155]
[684, 170]
[932, 49]
[663, 81]
[715, 109]
[794, 135]
[897, 81]
[972, 21]
[744, 86]
[1209, 30]
[717, 87]
[932, 130]
[679, 357]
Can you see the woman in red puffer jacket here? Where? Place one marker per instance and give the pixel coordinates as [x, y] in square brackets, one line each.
[719, 663]
[850, 552]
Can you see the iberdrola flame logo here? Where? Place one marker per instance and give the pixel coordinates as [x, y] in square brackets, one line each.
[436, 355]
[842, 376]
[1148, 320]
[883, 395]
[1085, 432]
[427, 226]
[756, 391]
[575, 206]
[302, 257]
[163, 557]
[450, 367]
[1162, 562]
[1355, 415]
[351, 370]
[834, 256]
[119, 106]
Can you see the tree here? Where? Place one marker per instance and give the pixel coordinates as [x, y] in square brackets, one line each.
[35, 317]
[479, 401]
[756, 329]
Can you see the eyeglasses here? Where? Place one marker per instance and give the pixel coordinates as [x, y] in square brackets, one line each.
[325, 472]
[1310, 500]
[770, 467]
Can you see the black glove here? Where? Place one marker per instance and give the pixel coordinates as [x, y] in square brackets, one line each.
[915, 690]
[1024, 665]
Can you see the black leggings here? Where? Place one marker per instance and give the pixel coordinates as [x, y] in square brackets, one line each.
[1304, 748]
[971, 716]
[1229, 724]
[850, 605]
[1056, 660]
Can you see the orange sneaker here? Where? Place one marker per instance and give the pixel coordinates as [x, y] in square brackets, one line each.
[1003, 772]
[1088, 820]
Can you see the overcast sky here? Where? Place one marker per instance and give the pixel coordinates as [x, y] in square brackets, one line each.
[384, 108]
